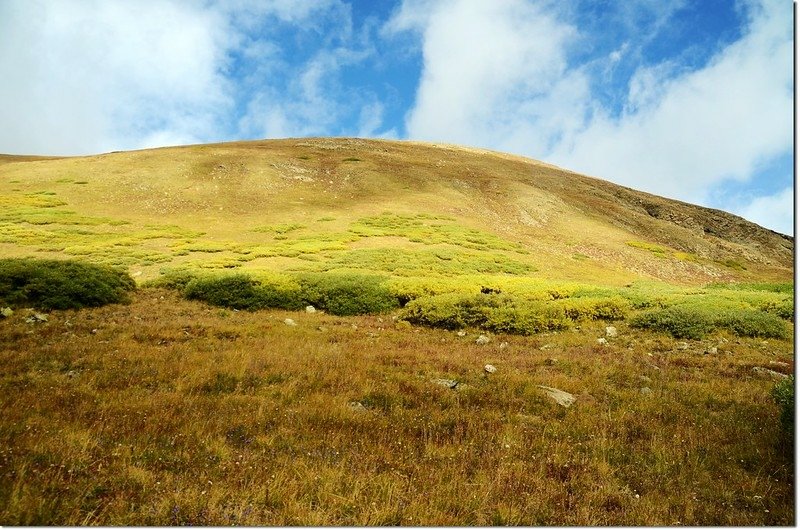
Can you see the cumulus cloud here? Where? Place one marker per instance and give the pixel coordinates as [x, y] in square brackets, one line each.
[682, 134]
[495, 73]
[89, 76]
[502, 75]
[773, 211]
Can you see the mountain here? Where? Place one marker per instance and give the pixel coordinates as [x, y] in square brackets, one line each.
[399, 207]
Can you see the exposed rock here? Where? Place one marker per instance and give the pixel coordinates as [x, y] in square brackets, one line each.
[322, 328]
[503, 345]
[565, 399]
[779, 364]
[36, 317]
[771, 373]
[356, 406]
[449, 383]
[354, 326]
[289, 322]
[682, 346]
[310, 309]
[483, 339]
[489, 369]
[602, 341]
[545, 347]
[611, 331]
[712, 350]
[645, 379]
[6, 312]
[645, 391]
[461, 333]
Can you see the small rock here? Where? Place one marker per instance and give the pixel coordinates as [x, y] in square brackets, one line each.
[503, 345]
[489, 369]
[310, 309]
[483, 339]
[94, 331]
[611, 331]
[356, 406]
[645, 379]
[602, 341]
[550, 361]
[71, 374]
[289, 322]
[354, 326]
[771, 373]
[36, 317]
[565, 399]
[322, 328]
[461, 333]
[779, 364]
[682, 345]
[6, 312]
[712, 350]
[449, 383]
[645, 391]
[545, 347]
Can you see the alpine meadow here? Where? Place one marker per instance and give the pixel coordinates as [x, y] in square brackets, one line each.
[340, 331]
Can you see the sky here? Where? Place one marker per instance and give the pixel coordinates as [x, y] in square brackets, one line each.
[688, 99]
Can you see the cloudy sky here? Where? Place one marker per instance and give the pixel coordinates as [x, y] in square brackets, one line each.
[689, 99]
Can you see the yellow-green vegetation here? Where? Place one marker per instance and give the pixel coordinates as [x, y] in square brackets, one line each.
[56, 284]
[202, 403]
[169, 412]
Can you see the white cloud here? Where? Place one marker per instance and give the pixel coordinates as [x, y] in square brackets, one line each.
[96, 75]
[772, 211]
[494, 74]
[683, 134]
[497, 74]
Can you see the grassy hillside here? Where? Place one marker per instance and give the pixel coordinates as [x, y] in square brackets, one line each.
[399, 207]
[128, 398]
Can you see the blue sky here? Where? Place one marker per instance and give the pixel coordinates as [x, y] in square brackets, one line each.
[687, 99]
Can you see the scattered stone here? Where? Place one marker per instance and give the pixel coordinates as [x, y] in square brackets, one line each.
[310, 309]
[374, 335]
[94, 331]
[779, 364]
[611, 331]
[71, 374]
[602, 341]
[354, 326]
[461, 333]
[545, 347]
[550, 361]
[489, 369]
[289, 322]
[682, 345]
[356, 406]
[36, 317]
[503, 345]
[6, 312]
[483, 339]
[645, 391]
[712, 350]
[771, 373]
[322, 328]
[645, 379]
[565, 399]
[449, 383]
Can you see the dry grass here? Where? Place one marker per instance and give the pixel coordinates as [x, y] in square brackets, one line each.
[167, 412]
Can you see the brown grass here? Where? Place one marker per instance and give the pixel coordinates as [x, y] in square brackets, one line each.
[168, 412]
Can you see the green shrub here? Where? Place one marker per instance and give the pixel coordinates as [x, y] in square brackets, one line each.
[237, 291]
[494, 312]
[611, 308]
[347, 294]
[680, 322]
[695, 321]
[55, 284]
[172, 279]
[783, 394]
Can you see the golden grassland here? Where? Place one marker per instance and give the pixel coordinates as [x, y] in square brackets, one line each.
[166, 412]
[295, 204]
